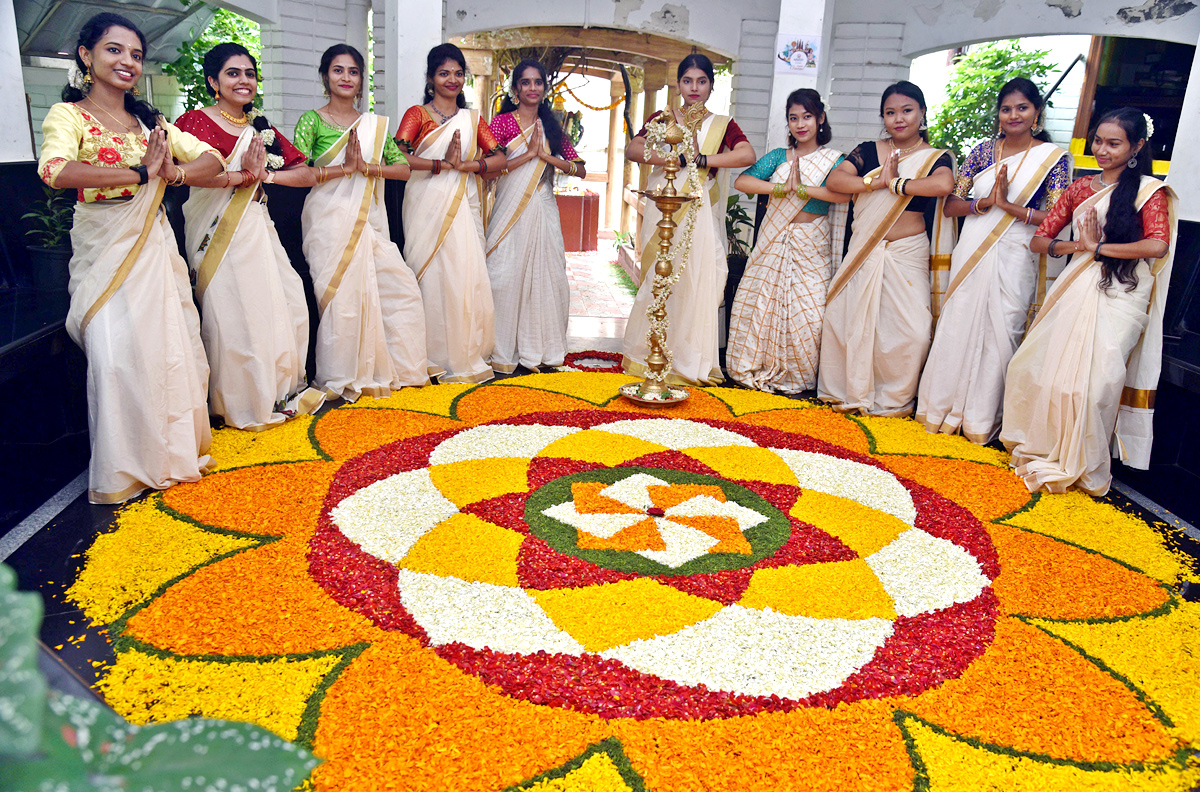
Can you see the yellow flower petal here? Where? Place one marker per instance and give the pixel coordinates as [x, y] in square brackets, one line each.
[904, 436]
[743, 402]
[474, 480]
[598, 773]
[604, 448]
[594, 388]
[467, 548]
[864, 530]
[835, 590]
[600, 617]
[742, 463]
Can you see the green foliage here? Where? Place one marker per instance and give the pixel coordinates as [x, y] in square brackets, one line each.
[71, 745]
[736, 218]
[51, 218]
[968, 115]
[188, 68]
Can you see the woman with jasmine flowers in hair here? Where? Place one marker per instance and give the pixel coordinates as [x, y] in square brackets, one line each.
[131, 307]
[254, 320]
[526, 257]
[371, 336]
[1085, 377]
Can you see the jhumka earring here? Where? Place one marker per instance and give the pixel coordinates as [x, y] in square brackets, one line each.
[87, 75]
[1039, 125]
[134, 90]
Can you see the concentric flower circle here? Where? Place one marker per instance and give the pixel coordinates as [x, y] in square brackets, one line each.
[532, 584]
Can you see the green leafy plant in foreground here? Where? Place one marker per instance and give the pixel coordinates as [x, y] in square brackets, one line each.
[71, 745]
[736, 218]
[51, 218]
[968, 115]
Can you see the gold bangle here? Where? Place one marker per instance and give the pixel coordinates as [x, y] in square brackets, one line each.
[802, 192]
[342, 167]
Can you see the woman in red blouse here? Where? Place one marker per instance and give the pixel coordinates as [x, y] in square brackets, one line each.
[449, 148]
[1087, 371]
[254, 320]
[693, 307]
[526, 257]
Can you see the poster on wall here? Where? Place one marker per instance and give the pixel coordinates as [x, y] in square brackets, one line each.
[795, 54]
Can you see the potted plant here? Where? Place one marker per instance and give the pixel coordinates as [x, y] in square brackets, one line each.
[50, 228]
[736, 218]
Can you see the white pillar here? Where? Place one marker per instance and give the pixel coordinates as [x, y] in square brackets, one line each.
[1185, 160]
[291, 52]
[404, 34]
[16, 143]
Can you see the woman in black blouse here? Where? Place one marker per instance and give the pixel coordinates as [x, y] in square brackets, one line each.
[879, 313]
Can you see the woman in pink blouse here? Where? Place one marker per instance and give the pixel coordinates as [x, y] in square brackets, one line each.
[526, 261]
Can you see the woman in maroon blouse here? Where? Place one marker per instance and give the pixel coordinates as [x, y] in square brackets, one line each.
[254, 318]
[694, 328]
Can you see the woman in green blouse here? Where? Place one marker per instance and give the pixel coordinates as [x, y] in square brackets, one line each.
[371, 334]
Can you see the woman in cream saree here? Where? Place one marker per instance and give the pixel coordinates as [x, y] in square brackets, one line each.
[131, 306]
[371, 334]
[880, 309]
[254, 319]
[526, 257]
[693, 334]
[1085, 377]
[775, 328]
[443, 223]
[994, 277]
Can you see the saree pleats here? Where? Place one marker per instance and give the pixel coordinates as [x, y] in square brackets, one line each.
[147, 379]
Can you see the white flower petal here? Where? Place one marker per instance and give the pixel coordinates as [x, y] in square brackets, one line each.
[759, 652]
[485, 442]
[633, 490]
[684, 543]
[923, 573]
[388, 517]
[481, 615]
[676, 433]
[845, 478]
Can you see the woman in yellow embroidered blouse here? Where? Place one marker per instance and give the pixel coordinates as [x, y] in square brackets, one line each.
[131, 302]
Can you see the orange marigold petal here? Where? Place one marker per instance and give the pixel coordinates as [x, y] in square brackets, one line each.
[208, 613]
[987, 491]
[666, 496]
[348, 433]
[1044, 577]
[400, 713]
[1036, 694]
[273, 500]
[642, 535]
[849, 748]
[823, 424]
[588, 499]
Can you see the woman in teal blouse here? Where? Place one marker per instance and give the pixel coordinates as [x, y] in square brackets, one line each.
[775, 327]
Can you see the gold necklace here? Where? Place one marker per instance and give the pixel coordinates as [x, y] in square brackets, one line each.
[908, 150]
[1000, 154]
[235, 121]
[124, 127]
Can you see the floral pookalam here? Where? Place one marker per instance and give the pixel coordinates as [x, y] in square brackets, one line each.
[535, 585]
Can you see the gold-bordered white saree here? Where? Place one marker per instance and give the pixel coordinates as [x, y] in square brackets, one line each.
[254, 320]
[527, 265]
[879, 312]
[371, 336]
[1080, 388]
[443, 243]
[993, 281]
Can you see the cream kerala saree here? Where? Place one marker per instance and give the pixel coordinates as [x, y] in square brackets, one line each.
[1081, 386]
[254, 320]
[693, 308]
[443, 243]
[527, 265]
[371, 336]
[880, 308]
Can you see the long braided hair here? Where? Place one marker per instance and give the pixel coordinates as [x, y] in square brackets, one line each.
[1123, 222]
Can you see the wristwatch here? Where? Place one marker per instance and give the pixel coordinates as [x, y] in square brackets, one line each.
[143, 176]
[867, 180]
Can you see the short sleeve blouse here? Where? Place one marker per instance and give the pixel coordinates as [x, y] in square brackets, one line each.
[865, 158]
[417, 123]
[1155, 213]
[72, 134]
[198, 123]
[506, 127]
[314, 135]
[984, 155]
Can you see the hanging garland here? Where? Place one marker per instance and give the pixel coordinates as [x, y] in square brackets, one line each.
[616, 102]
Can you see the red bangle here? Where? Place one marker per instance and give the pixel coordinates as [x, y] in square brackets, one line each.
[247, 176]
